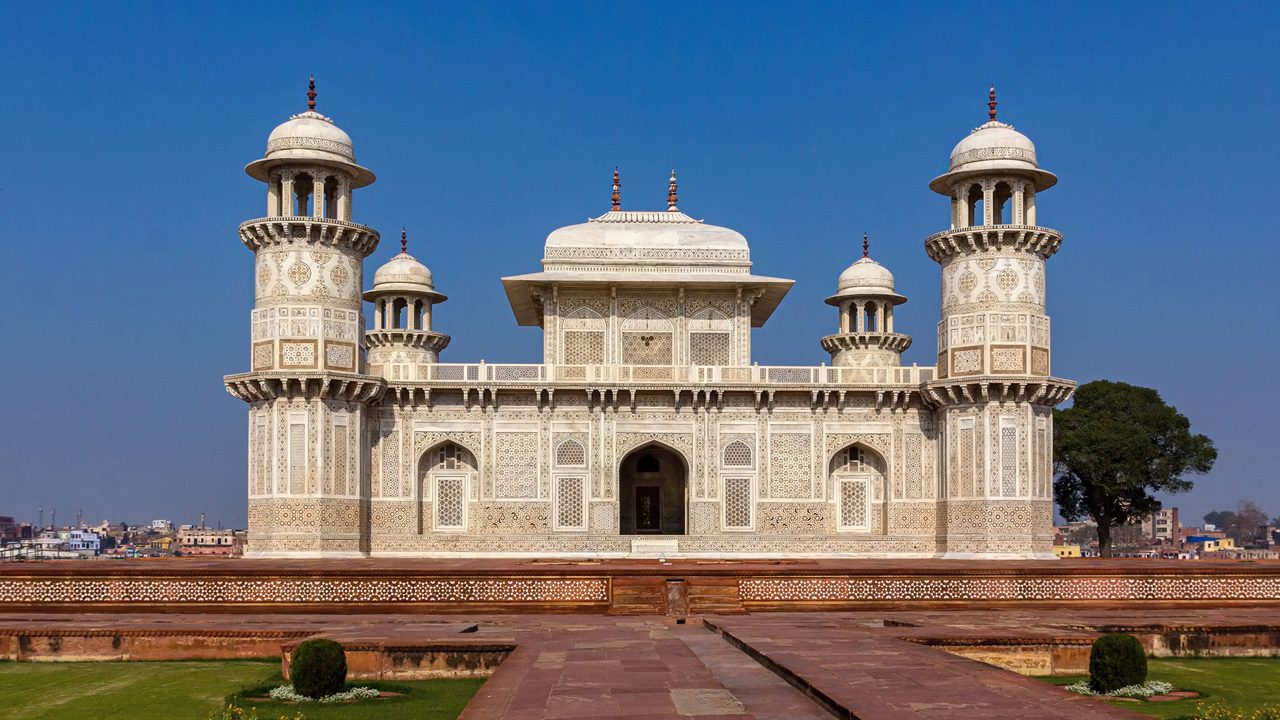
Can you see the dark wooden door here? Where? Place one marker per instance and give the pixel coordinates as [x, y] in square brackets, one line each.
[648, 509]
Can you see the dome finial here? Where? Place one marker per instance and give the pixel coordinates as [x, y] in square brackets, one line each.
[311, 94]
[617, 190]
[991, 103]
[671, 193]
[866, 246]
[404, 241]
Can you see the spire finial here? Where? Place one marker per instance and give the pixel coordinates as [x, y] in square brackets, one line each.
[866, 246]
[617, 190]
[311, 94]
[991, 103]
[404, 241]
[671, 193]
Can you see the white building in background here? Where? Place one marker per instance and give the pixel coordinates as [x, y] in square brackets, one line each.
[647, 428]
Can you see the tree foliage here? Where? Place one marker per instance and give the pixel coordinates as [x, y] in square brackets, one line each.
[1117, 445]
[1244, 525]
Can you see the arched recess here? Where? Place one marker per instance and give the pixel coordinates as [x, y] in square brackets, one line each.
[570, 453]
[974, 202]
[857, 485]
[1001, 207]
[648, 338]
[653, 489]
[710, 337]
[447, 476]
[582, 337]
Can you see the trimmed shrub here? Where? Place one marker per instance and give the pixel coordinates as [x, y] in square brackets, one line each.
[1115, 661]
[319, 668]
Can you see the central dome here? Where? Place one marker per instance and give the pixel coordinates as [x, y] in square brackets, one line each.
[646, 230]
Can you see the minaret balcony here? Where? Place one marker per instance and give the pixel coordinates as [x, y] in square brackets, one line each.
[253, 387]
[947, 244]
[264, 232]
[893, 342]
[404, 338]
[1043, 391]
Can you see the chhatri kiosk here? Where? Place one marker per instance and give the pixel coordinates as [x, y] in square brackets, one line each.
[647, 429]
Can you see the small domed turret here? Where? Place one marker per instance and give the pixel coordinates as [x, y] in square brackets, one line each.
[402, 342]
[866, 297]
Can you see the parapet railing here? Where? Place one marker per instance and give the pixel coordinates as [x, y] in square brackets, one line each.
[685, 374]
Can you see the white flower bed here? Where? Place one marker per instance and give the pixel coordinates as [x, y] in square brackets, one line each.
[1145, 690]
[286, 693]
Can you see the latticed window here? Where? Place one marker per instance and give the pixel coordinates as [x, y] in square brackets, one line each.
[709, 348]
[855, 511]
[737, 454]
[570, 453]
[570, 504]
[450, 457]
[737, 503]
[853, 459]
[583, 347]
[1008, 461]
[646, 348]
[451, 503]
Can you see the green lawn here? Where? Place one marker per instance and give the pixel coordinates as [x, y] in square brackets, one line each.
[1238, 683]
[191, 690]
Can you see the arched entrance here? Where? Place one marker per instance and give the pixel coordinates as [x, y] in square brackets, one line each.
[652, 485]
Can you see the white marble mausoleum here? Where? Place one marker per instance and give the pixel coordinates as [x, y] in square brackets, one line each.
[647, 429]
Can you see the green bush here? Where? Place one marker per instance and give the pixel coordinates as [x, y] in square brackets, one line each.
[319, 668]
[1116, 660]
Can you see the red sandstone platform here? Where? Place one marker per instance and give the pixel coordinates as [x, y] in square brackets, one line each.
[885, 665]
[681, 587]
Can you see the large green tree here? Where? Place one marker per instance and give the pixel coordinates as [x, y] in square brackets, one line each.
[1115, 446]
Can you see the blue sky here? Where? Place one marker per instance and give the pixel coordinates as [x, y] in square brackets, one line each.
[126, 293]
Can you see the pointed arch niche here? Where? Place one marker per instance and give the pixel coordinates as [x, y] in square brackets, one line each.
[648, 338]
[857, 484]
[447, 479]
[653, 490]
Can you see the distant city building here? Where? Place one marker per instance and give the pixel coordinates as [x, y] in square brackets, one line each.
[161, 525]
[80, 540]
[1162, 525]
[1210, 543]
[8, 528]
[1067, 551]
[206, 541]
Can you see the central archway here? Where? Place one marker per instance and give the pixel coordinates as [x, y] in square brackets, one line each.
[652, 492]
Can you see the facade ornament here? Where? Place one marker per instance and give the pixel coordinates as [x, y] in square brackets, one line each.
[671, 193]
[617, 191]
[991, 103]
[866, 246]
[404, 241]
[311, 94]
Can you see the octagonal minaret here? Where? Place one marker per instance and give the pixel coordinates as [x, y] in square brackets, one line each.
[402, 343]
[994, 389]
[307, 389]
[866, 298]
